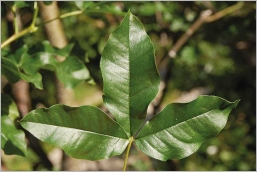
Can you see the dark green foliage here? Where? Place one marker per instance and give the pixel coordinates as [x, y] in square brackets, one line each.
[12, 139]
[42, 56]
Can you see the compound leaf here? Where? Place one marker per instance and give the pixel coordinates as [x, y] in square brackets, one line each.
[130, 77]
[130, 83]
[84, 132]
[180, 128]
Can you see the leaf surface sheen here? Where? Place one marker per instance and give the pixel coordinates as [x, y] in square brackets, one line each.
[131, 79]
[180, 128]
[84, 132]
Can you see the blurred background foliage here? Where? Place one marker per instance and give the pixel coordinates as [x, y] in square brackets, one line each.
[219, 59]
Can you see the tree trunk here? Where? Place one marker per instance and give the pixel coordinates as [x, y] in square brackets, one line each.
[55, 34]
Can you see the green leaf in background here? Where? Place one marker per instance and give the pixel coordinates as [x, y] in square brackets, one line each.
[65, 51]
[130, 77]
[13, 142]
[180, 128]
[111, 9]
[47, 2]
[147, 9]
[21, 4]
[8, 107]
[84, 132]
[99, 7]
[9, 70]
[12, 74]
[84, 4]
[12, 139]
[71, 71]
[36, 79]
[19, 55]
[104, 7]
[39, 60]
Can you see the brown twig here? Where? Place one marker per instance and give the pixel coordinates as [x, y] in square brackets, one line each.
[224, 12]
[183, 39]
[32, 28]
[205, 17]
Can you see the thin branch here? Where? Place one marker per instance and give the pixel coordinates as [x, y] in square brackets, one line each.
[183, 39]
[205, 17]
[15, 21]
[65, 15]
[32, 27]
[29, 29]
[14, 37]
[35, 14]
[224, 12]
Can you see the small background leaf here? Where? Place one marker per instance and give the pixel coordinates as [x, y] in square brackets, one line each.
[105, 7]
[21, 4]
[36, 79]
[9, 70]
[8, 107]
[84, 5]
[71, 71]
[48, 2]
[13, 140]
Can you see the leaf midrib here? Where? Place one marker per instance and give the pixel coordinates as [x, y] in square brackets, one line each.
[129, 62]
[91, 132]
[176, 125]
